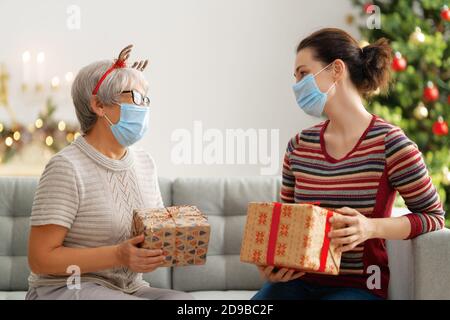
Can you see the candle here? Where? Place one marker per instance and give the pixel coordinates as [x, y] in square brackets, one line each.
[40, 59]
[69, 77]
[26, 72]
[55, 83]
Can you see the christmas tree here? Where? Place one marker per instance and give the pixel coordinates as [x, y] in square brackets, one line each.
[418, 100]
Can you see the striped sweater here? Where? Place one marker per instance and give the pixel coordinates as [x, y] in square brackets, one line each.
[93, 196]
[383, 161]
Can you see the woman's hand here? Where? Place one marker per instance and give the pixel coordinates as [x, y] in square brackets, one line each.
[357, 229]
[282, 275]
[137, 259]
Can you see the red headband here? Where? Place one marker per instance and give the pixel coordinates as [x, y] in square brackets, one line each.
[116, 65]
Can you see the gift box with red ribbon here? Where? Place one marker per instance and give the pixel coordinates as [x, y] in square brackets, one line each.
[182, 232]
[290, 235]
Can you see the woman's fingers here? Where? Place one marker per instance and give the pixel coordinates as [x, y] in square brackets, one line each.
[342, 232]
[347, 247]
[282, 275]
[268, 271]
[345, 240]
[342, 219]
[275, 277]
[148, 252]
[136, 240]
[288, 275]
[347, 211]
[149, 260]
[298, 275]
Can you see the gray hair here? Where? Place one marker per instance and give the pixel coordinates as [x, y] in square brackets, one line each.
[118, 80]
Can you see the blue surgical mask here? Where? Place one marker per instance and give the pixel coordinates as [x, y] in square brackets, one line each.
[308, 95]
[132, 125]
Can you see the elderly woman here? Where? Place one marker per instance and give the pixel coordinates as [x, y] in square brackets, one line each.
[82, 210]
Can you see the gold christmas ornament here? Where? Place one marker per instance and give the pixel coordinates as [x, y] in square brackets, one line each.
[363, 43]
[417, 37]
[349, 19]
[420, 112]
[446, 176]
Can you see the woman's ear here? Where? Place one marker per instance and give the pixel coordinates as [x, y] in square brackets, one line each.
[97, 106]
[338, 69]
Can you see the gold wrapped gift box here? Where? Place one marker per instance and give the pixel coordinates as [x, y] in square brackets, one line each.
[182, 232]
[290, 235]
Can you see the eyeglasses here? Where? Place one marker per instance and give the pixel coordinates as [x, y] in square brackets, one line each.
[138, 98]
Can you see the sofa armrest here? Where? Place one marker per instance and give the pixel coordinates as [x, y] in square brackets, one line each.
[420, 267]
[431, 254]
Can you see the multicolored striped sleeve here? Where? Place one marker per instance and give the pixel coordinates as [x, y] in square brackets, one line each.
[408, 174]
[288, 178]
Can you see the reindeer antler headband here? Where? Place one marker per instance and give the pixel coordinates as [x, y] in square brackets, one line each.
[121, 63]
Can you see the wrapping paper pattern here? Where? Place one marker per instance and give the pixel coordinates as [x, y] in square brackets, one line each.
[182, 232]
[296, 239]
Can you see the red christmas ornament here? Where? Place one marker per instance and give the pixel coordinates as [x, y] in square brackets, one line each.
[445, 13]
[440, 127]
[431, 92]
[366, 7]
[448, 99]
[399, 63]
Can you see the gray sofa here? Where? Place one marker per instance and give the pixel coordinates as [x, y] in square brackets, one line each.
[420, 268]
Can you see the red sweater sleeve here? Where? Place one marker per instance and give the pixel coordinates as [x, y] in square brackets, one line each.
[288, 179]
[408, 174]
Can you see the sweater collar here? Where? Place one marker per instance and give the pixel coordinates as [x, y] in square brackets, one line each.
[116, 165]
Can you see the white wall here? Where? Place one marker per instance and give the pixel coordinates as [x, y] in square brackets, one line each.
[227, 63]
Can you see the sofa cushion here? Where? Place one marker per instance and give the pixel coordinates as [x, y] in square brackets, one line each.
[16, 199]
[225, 202]
[223, 295]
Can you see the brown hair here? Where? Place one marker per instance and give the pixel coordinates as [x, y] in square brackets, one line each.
[369, 67]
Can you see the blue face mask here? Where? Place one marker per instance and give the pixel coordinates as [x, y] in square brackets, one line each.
[308, 95]
[132, 125]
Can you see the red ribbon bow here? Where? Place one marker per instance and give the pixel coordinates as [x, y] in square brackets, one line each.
[273, 236]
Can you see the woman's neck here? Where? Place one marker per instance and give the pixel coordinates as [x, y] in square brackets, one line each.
[101, 138]
[347, 115]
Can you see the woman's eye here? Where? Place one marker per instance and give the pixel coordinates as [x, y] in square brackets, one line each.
[301, 74]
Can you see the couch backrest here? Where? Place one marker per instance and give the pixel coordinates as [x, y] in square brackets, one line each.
[224, 200]
[16, 199]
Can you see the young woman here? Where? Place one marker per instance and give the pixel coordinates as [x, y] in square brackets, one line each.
[82, 210]
[354, 162]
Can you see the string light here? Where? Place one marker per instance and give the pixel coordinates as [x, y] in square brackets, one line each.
[76, 135]
[61, 125]
[9, 141]
[1, 127]
[39, 123]
[69, 137]
[49, 141]
[16, 135]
